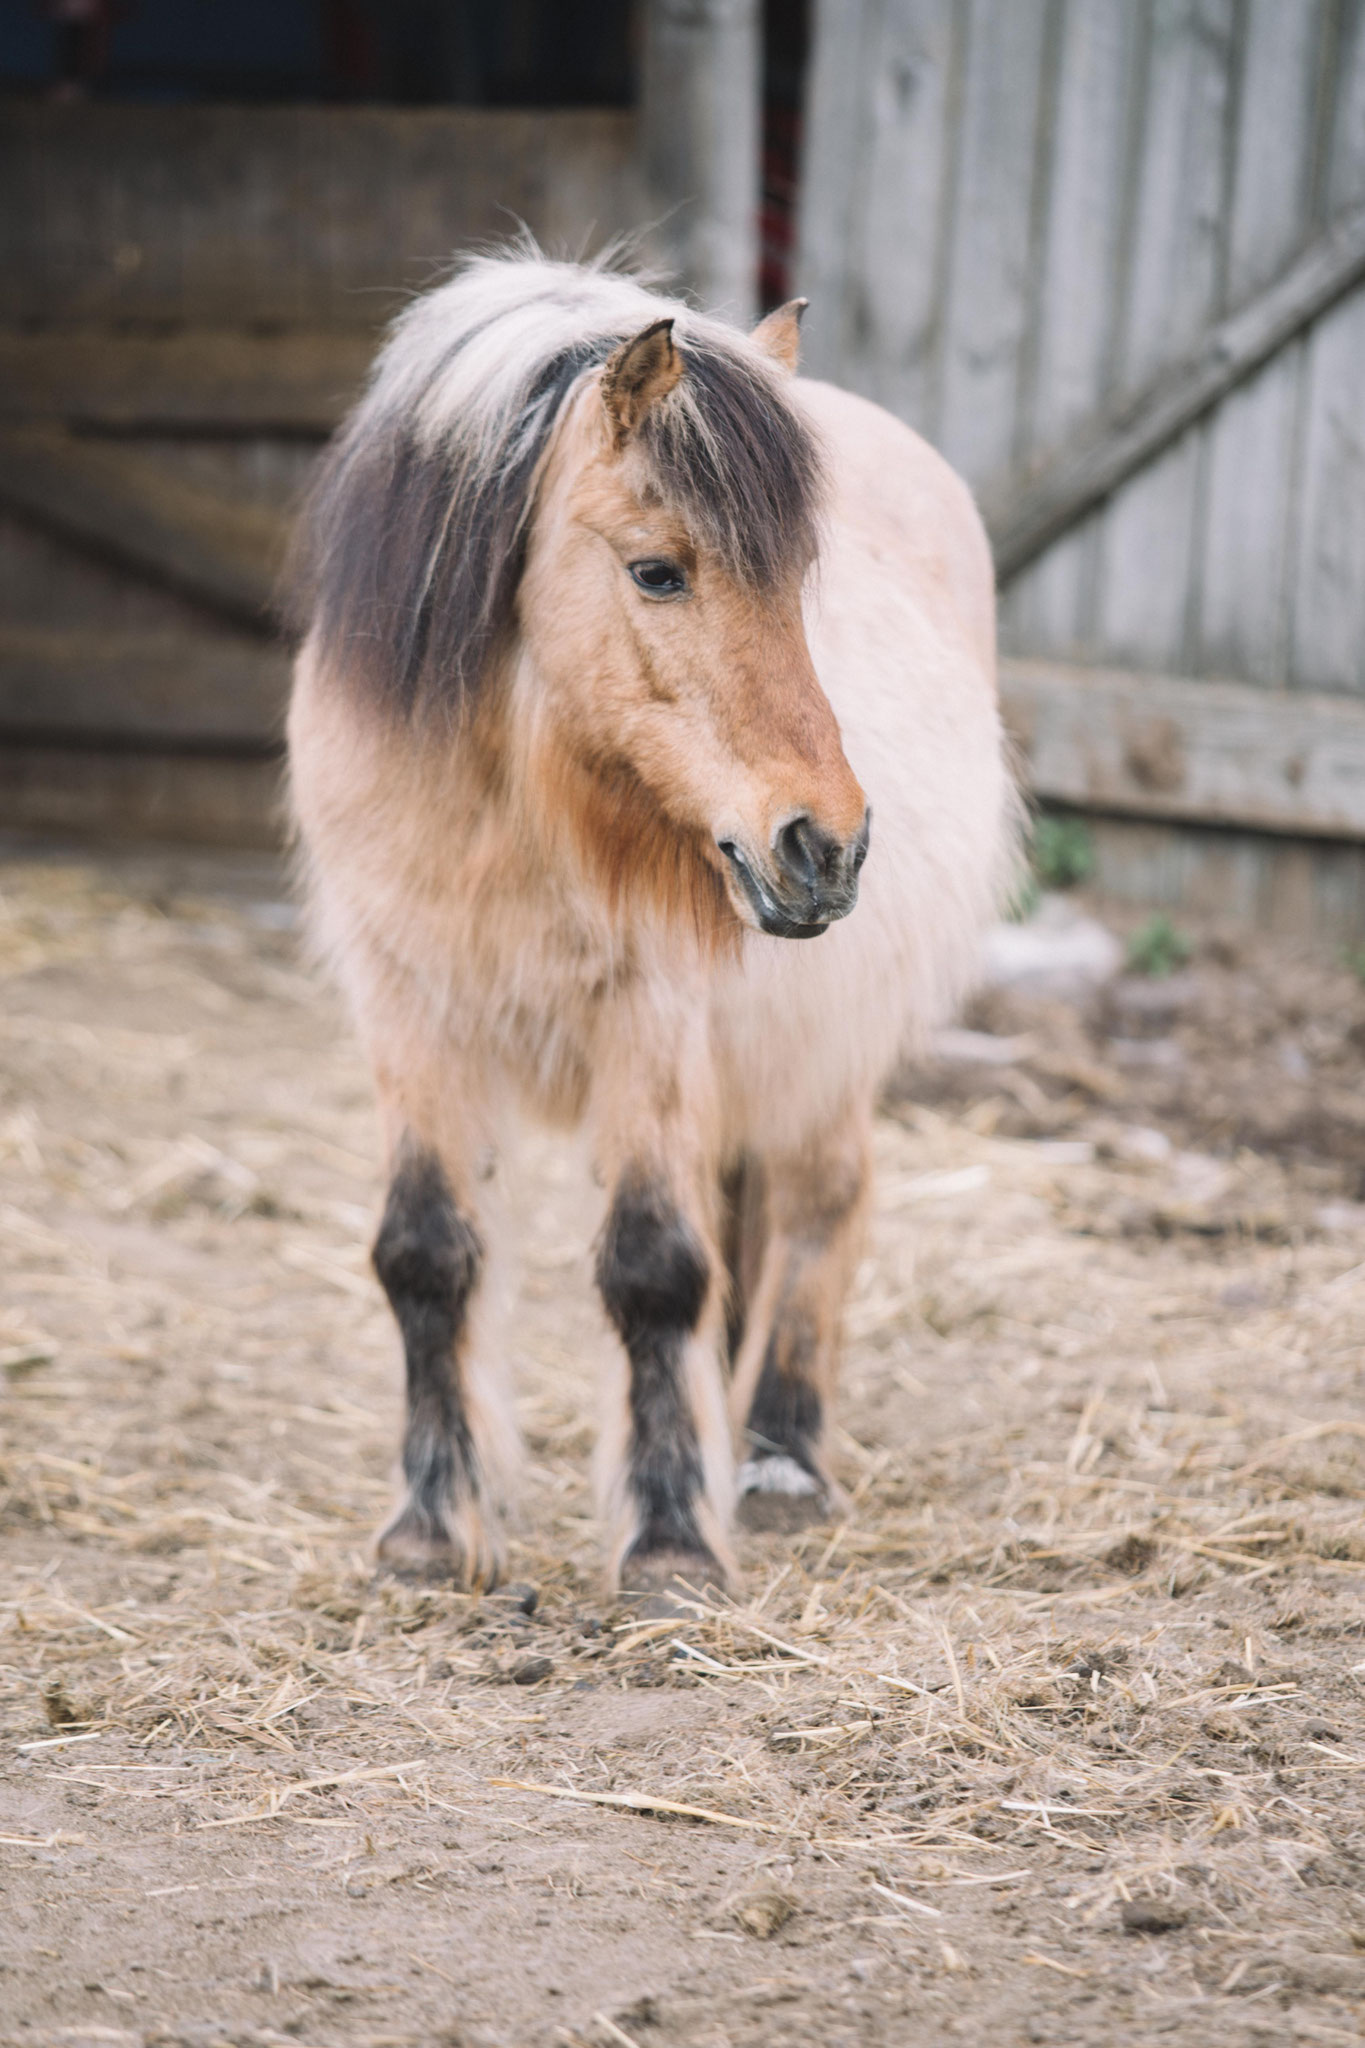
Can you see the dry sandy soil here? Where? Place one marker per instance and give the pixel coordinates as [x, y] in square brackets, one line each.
[1060, 1738]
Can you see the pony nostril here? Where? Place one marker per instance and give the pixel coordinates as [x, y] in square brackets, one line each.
[805, 853]
[861, 843]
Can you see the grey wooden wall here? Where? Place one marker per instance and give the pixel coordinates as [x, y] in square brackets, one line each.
[1018, 213]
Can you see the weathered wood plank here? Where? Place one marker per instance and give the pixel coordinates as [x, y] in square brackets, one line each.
[1276, 127]
[1159, 746]
[902, 225]
[1078, 299]
[1328, 645]
[192, 799]
[876, 191]
[699, 135]
[1115, 447]
[44, 578]
[1243, 550]
[1345, 176]
[1327, 596]
[123, 689]
[1174, 280]
[1146, 552]
[314, 216]
[874, 197]
[219, 380]
[128, 510]
[1246, 546]
[1047, 607]
[1309, 888]
[1173, 285]
[989, 271]
[836, 337]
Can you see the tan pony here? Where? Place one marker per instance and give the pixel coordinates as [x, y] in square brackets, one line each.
[624, 647]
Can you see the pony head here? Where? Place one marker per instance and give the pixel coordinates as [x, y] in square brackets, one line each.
[592, 511]
[661, 603]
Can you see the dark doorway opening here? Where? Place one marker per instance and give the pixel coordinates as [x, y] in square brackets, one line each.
[786, 51]
[495, 53]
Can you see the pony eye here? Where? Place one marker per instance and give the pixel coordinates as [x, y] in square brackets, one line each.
[658, 578]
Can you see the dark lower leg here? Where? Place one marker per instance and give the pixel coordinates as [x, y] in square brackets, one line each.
[657, 1286]
[782, 1478]
[428, 1258]
[786, 1415]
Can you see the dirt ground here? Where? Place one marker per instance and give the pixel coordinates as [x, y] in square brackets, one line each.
[1060, 1738]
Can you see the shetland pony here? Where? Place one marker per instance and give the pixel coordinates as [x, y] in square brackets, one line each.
[624, 649]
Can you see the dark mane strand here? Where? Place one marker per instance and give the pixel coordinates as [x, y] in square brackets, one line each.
[408, 560]
[739, 465]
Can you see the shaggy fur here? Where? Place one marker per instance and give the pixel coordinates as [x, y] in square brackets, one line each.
[561, 894]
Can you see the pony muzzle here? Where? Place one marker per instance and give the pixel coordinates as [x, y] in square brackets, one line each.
[807, 882]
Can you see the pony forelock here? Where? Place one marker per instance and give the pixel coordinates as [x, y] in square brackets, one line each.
[412, 543]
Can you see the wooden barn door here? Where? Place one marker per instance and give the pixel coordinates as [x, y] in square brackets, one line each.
[188, 300]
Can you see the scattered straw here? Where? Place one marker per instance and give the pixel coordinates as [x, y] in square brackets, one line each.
[1088, 1633]
[58, 1741]
[639, 1802]
[435, 1970]
[615, 2033]
[911, 1905]
[279, 1796]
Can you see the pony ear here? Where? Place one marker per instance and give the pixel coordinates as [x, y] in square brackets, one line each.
[779, 334]
[637, 375]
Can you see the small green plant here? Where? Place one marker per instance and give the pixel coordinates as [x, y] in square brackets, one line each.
[1023, 898]
[1158, 947]
[1063, 852]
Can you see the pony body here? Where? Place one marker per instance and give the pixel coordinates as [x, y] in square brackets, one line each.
[618, 630]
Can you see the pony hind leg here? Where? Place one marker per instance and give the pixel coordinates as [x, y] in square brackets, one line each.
[458, 1442]
[787, 1368]
[742, 1238]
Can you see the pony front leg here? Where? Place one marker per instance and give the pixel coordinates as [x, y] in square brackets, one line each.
[665, 1466]
[458, 1441]
[666, 1460]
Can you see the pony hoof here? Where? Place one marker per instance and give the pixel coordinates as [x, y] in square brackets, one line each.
[665, 1585]
[411, 1548]
[776, 1495]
